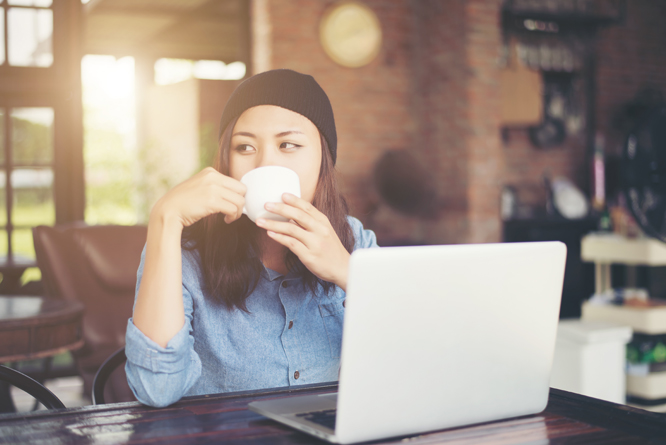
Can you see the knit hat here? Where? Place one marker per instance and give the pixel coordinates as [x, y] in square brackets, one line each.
[287, 89]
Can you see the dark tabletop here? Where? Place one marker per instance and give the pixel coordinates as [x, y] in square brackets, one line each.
[224, 418]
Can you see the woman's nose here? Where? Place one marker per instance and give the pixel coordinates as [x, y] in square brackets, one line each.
[268, 156]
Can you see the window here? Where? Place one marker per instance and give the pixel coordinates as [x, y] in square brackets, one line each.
[41, 140]
[29, 35]
[26, 179]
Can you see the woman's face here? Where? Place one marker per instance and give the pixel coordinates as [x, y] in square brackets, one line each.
[270, 135]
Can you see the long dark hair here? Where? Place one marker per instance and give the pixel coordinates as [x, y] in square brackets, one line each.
[231, 253]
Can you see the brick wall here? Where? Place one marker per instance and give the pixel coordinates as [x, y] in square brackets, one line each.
[372, 104]
[433, 90]
[435, 73]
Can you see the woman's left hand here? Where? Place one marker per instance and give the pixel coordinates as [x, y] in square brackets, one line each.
[312, 239]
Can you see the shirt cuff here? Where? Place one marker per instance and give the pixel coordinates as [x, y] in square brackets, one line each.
[144, 352]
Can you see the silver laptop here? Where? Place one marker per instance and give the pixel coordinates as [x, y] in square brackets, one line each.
[438, 337]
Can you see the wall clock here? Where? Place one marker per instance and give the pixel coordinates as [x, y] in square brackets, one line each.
[350, 34]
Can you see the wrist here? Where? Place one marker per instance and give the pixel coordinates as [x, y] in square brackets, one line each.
[343, 273]
[165, 222]
[162, 217]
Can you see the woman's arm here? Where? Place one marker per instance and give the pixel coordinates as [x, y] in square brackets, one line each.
[158, 311]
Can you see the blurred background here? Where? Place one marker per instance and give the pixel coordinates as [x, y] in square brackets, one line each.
[458, 121]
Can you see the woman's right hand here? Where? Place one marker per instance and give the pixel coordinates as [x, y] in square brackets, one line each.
[205, 193]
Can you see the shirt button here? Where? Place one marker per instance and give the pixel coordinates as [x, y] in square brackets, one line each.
[285, 284]
[297, 375]
[291, 324]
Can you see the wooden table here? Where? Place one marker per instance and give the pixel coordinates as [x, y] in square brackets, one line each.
[36, 327]
[224, 418]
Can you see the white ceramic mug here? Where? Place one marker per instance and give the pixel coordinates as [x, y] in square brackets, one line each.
[267, 184]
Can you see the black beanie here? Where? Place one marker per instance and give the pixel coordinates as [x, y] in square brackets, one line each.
[286, 89]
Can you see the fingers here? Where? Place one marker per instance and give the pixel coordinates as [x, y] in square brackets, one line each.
[302, 212]
[234, 198]
[286, 228]
[224, 194]
[293, 244]
[292, 213]
[302, 204]
[213, 176]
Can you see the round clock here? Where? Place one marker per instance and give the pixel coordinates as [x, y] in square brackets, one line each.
[350, 34]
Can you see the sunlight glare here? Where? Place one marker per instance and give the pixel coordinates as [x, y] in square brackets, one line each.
[108, 94]
[169, 71]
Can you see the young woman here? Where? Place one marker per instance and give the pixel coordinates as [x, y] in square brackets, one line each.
[224, 304]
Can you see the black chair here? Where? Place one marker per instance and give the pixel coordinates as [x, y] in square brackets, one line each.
[31, 386]
[104, 372]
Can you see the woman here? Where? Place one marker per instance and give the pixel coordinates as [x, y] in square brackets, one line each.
[223, 304]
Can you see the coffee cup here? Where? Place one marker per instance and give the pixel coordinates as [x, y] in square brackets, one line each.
[267, 184]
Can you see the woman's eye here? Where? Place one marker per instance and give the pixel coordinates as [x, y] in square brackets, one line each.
[244, 148]
[288, 145]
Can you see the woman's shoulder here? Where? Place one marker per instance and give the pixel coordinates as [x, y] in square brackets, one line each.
[364, 238]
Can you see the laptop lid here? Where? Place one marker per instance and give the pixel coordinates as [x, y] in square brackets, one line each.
[443, 336]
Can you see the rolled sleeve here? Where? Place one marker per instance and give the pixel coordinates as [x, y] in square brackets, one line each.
[144, 352]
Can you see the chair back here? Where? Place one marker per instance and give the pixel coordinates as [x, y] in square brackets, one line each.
[95, 265]
[108, 368]
[31, 386]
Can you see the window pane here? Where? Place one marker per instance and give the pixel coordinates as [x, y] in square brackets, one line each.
[30, 37]
[2, 35]
[32, 135]
[42, 3]
[33, 197]
[3, 199]
[2, 136]
[22, 246]
[3, 246]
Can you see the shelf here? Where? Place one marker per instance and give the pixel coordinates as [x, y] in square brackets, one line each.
[611, 248]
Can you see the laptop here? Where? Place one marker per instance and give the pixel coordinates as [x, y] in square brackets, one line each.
[437, 337]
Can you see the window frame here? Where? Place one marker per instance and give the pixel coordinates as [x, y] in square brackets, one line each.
[58, 87]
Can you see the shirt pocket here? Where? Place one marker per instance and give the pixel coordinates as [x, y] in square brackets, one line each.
[332, 314]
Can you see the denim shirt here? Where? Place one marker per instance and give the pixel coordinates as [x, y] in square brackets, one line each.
[289, 337]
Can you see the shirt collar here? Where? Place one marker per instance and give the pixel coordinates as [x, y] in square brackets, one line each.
[272, 275]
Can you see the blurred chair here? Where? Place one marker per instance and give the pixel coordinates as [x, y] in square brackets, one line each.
[95, 265]
[103, 373]
[31, 386]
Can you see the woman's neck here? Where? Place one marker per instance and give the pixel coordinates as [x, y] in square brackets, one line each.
[272, 254]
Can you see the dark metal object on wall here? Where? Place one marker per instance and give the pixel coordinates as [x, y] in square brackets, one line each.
[644, 172]
[405, 185]
[549, 133]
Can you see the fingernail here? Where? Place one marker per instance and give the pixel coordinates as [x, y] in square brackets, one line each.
[261, 222]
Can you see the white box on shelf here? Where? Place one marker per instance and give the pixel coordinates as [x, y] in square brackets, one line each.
[610, 248]
[590, 359]
[646, 320]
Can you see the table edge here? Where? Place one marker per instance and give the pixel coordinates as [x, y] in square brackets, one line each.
[607, 415]
[42, 354]
[73, 309]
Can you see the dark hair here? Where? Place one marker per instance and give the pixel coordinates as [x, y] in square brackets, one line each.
[231, 253]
